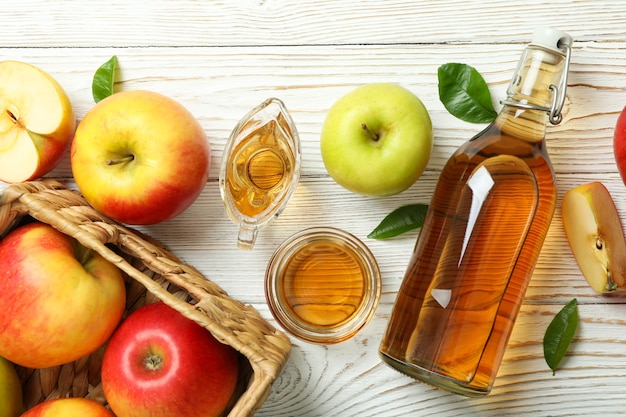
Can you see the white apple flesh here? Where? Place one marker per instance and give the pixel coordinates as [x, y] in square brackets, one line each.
[595, 235]
[36, 122]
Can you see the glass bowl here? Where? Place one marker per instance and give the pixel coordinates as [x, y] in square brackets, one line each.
[322, 285]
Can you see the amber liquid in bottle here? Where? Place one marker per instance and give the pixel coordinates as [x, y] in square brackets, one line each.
[454, 316]
[481, 238]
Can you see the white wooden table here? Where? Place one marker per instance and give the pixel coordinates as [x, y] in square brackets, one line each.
[221, 58]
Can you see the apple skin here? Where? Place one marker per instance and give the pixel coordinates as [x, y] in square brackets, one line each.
[595, 235]
[11, 403]
[59, 300]
[619, 144]
[140, 157]
[377, 139]
[161, 364]
[69, 407]
[36, 122]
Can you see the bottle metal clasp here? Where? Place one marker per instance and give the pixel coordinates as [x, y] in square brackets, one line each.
[558, 92]
[558, 97]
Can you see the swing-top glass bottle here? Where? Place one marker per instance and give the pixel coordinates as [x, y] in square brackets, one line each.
[482, 235]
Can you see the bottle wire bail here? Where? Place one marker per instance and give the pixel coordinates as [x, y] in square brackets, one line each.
[558, 96]
[558, 92]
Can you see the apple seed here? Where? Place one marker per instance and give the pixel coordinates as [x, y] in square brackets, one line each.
[15, 119]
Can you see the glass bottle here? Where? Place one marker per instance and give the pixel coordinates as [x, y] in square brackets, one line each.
[482, 235]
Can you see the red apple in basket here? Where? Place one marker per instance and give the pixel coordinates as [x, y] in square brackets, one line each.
[162, 364]
[60, 301]
[619, 144]
[69, 407]
[140, 157]
[36, 122]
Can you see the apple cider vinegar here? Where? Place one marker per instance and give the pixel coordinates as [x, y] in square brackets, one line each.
[481, 238]
[323, 285]
[260, 168]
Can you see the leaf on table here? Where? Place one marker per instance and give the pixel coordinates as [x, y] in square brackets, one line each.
[401, 220]
[104, 80]
[465, 94]
[559, 334]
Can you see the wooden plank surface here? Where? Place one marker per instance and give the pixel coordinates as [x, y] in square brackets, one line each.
[119, 23]
[220, 59]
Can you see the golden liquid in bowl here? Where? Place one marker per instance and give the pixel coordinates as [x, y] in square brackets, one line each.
[323, 284]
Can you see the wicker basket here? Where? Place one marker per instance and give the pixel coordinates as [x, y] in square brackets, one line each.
[152, 274]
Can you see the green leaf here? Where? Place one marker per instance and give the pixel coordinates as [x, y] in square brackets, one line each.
[104, 80]
[559, 334]
[465, 94]
[401, 220]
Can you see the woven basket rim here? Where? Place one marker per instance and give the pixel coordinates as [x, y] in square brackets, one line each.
[230, 321]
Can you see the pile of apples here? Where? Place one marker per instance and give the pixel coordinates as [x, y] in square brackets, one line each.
[139, 158]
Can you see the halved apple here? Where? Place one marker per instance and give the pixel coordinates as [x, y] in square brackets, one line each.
[595, 235]
[37, 122]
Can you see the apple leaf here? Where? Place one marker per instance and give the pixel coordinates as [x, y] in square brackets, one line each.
[559, 334]
[104, 80]
[401, 220]
[465, 94]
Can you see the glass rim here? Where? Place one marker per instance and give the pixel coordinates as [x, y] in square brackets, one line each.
[365, 310]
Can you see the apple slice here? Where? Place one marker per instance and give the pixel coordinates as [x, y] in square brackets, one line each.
[36, 122]
[595, 235]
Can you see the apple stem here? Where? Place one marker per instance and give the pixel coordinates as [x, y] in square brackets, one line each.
[610, 284]
[372, 135]
[121, 160]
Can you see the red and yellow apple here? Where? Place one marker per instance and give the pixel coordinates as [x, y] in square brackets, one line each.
[619, 144]
[377, 139]
[161, 364]
[60, 301]
[36, 122]
[11, 403]
[140, 157]
[69, 407]
[595, 235]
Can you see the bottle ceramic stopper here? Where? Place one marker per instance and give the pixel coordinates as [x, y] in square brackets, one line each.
[551, 39]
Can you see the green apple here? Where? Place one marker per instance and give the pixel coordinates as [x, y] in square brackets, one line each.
[377, 139]
[10, 390]
[595, 235]
[36, 122]
[140, 157]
